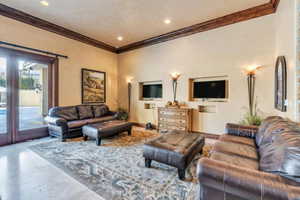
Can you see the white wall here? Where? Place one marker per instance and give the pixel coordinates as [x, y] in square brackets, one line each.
[286, 46]
[223, 51]
[80, 56]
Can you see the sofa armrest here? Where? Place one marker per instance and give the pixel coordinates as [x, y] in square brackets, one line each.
[56, 121]
[114, 114]
[243, 182]
[241, 130]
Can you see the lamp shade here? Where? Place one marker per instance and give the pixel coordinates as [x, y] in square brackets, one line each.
[175, 75]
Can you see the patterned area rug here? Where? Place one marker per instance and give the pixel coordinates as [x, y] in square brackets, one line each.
[116, 170]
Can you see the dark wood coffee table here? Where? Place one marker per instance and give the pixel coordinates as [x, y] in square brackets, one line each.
[176, 148]
[104, 129]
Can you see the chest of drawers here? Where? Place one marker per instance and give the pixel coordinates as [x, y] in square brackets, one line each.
[174, 119]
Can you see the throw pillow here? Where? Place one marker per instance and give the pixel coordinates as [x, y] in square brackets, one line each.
[68, 113]
[85, 112]
[268, 122]
[100, 110]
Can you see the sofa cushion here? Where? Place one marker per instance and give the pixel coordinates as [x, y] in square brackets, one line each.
[276, 129]
[282, 156]
[85, 112]
[237, 139]
[269, 121]
[68, 113]
[100, 110]
[77, 124]
[232, 148]
[235, 160]
[100, 119]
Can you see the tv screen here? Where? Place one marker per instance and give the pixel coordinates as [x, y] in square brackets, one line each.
[210, 89]
[152, 91]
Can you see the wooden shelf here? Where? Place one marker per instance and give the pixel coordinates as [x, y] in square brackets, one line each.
[207, 108]
[149, 106]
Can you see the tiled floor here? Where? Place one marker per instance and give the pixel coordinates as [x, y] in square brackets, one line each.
[26, 176]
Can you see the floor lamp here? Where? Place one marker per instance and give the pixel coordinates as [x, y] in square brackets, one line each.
[175, 76]
[251, 87]
[251, 91]
[129, 86]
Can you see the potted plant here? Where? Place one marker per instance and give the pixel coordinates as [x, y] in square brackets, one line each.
[122, 114]
[252, 118]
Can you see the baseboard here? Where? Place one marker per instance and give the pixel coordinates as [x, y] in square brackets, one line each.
[143, 125]
[206, 135]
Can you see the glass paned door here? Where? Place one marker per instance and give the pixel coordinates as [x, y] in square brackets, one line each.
[3, 96]
[28, 88]
[5, 136]
[33, 95]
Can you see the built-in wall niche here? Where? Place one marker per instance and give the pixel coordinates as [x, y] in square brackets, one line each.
[212, 89]
[150, 91]
[148, 106]
[207, 108]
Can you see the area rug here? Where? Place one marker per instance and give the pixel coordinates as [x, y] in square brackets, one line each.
[116, 170]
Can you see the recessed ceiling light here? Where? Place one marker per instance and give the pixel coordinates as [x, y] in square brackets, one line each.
[167, 21]
[120, 38]
[44, 3]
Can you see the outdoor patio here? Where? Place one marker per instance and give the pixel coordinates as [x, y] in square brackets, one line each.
[30, 117]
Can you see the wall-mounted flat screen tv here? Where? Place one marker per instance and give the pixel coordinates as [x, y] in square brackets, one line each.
[152, 91]
[210, 89]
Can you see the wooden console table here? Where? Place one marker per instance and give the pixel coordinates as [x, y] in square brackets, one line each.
[174, 119]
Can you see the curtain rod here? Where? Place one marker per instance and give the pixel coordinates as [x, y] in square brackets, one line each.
[32, 49]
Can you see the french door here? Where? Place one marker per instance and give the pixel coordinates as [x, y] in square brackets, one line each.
[27, 90]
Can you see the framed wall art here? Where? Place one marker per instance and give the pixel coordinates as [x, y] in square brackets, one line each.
[93, 86]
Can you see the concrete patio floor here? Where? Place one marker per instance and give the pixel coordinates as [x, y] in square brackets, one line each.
[30, 117]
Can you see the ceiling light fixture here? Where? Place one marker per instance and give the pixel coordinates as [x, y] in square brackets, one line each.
[44, 3]
[120, 38]
[167, 21]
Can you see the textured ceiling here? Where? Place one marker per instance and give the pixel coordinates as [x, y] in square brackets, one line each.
[135, 20]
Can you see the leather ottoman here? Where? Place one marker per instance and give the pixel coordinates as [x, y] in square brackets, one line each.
[99, 130]
[176, 148]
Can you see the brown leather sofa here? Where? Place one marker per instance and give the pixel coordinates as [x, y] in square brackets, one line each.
[67, 122]
[253, 163]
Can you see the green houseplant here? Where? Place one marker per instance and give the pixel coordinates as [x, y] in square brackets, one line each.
[122, 114]
[252, 119]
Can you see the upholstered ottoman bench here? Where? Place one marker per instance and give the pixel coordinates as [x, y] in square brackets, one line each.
[104, 129]
[176, 148]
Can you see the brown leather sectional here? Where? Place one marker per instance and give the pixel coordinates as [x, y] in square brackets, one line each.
[253, 163]
[67, 122]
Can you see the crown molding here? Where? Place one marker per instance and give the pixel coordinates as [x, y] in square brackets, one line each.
[251, 13]
[48, 26]
[275, 4]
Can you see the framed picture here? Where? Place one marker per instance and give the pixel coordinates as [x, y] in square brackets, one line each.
[280, 84]
[93, 86]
